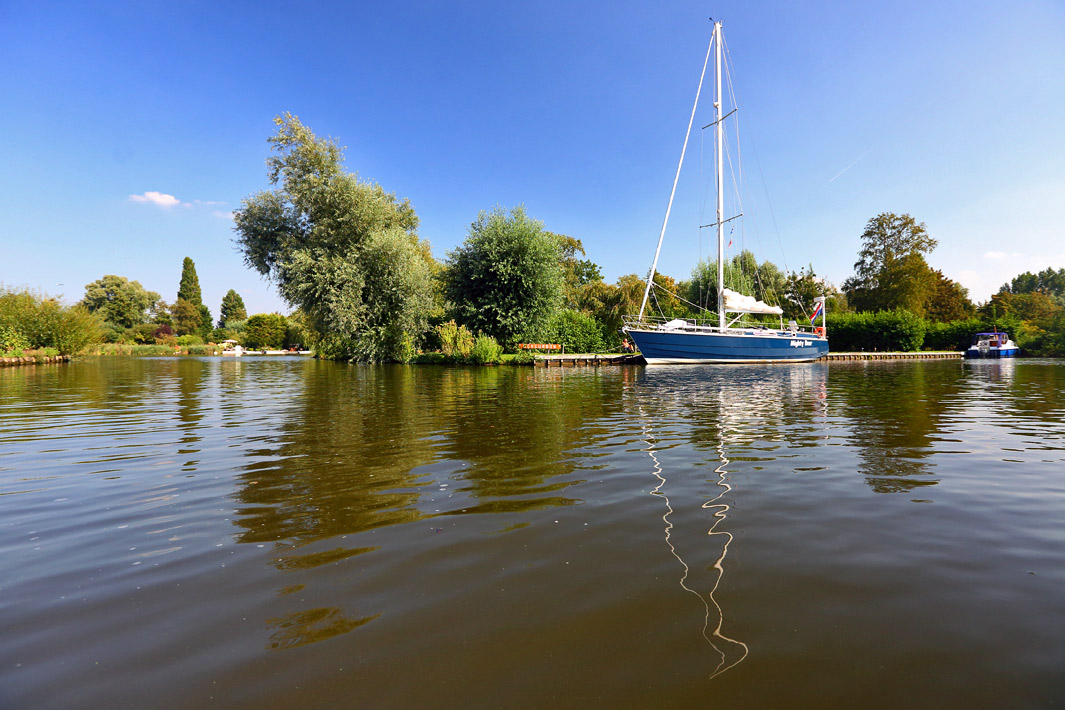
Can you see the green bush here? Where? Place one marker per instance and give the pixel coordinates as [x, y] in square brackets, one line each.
[431, 359]
[523, 357]
[577, 332]
[485, 351]
[885, 331]
[185, 340]
[11, 339]
[264, 331]
[456, 341]
[954, 335]
[44, 322]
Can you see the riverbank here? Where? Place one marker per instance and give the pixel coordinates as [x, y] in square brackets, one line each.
[33, 360]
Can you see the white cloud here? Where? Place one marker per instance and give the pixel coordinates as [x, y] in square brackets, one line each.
[222, 215]
[157, 198]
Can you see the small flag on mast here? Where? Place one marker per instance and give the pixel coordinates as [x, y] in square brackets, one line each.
[819, 307]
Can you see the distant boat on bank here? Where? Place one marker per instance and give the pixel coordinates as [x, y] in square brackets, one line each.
[991, 346]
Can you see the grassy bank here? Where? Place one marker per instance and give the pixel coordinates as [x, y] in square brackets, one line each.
[150, 350]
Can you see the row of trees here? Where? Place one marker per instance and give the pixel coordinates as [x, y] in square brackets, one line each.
[347, 255]
[128, 309]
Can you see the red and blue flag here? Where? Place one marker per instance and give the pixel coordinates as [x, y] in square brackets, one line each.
[819, 308]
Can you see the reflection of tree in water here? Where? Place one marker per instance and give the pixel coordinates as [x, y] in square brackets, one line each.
[360, 448]
[339, 462]
[342, 450]
[896, 410]
[190, 375]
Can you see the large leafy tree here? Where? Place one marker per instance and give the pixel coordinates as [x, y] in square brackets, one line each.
[232, 308]
[506, 279]
[120, 301]
[891, 271]
[344, 251]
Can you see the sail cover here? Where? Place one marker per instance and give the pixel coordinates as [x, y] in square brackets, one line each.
[738, 303]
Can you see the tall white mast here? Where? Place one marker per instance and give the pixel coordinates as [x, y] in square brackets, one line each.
[720, 137]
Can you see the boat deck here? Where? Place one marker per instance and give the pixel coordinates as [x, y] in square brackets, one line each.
[596, 359]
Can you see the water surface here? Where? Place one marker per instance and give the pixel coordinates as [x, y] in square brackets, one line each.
[281, 532]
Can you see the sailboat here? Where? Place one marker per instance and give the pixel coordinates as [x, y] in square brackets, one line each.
[730, 339]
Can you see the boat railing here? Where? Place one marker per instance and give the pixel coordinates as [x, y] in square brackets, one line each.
[695, 325]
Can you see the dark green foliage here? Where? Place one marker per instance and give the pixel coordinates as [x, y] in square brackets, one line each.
[883, 331]
[265, 331]
[119, 300]
[505, 279]
[949, 301]
[42, 322]
[1049, 342]
[189, 288]
[953, 335]
[141, 334]
[187, 317]
[232, 308]
[206, 322]
[577, 332]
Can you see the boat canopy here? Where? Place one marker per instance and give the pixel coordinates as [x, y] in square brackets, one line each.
[738, 303]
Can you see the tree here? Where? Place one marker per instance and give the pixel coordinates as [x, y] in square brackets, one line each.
[232, 308]
[265, 331]
[345, 252]
[506, 278]
[119, 300]
[891, 271]
[1048, 281]
[575, 272]
[187, 318]
[800, 290]
[744, 274]
[950, 301]
[189, 288]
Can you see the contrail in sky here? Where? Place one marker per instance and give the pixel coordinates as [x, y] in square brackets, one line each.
[853, 163]
[914, 115]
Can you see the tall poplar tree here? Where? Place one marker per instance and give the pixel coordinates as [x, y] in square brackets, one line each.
[189, 288]
[189, 291]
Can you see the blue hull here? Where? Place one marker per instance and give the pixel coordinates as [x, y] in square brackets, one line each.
[660, 347]
[992, 354]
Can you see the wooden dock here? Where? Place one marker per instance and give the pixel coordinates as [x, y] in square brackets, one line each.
[596, 360]
[588, 359]
[919, 355]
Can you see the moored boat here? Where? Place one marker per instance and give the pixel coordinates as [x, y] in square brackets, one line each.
[720, 340]
[992, 345]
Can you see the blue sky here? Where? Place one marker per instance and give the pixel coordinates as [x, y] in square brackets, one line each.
[950, 111]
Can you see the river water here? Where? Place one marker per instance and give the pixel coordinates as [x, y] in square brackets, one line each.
[282, 532]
